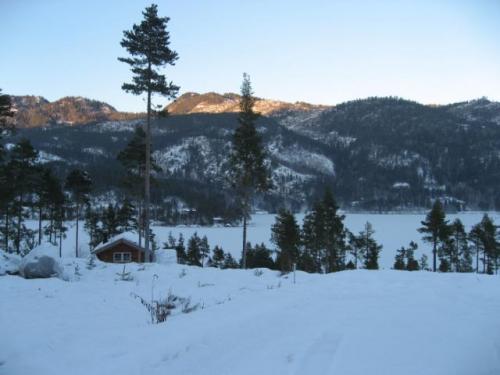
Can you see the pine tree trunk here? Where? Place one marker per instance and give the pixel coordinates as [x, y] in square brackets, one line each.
[244, 257]
[77, 217]
[147, 180]
[434, 256]
[40, 225]
[139, 223]
[477, 259]
[60, 242]
[7, 229]
[51, 224]
[19, 217]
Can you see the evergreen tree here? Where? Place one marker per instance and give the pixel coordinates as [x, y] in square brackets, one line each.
[6, 113]
[7, 207]
[444, 265]
[180, 249]
[285, 233]
[126, 217]
[110, 223]
[489, 244]
[335, 234]
[369, 247]
[405, 258]
[411, 262]
[218, 257]
[91, 225]
[148, 46]
[458, 247]
[194, 250]
[229, 262]
[22, 170]
[435, 228]
[476, 236]
[248, 172]
[313, 239]
[79, 185]
[399, 259]
[259, 257]
[306, 262]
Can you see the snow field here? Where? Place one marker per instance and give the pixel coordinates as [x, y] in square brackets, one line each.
[352, 322]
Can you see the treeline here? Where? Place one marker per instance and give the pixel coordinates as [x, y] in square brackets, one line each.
[455, 248]
[28, 189]
[323, 244]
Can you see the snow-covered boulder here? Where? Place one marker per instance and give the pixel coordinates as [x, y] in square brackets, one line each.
[9, 263]
[41, 263]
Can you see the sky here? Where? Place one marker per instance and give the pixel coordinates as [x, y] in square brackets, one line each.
[322, 52]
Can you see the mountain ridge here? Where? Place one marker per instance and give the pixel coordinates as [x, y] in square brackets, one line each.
[35, 111]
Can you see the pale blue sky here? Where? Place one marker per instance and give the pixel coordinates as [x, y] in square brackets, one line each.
[325, 52]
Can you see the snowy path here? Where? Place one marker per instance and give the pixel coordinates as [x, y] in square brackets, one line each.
[357, 322]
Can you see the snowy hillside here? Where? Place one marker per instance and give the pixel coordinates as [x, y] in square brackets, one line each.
[352, 322]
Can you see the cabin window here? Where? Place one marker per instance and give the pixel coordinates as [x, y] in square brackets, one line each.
[122, 257]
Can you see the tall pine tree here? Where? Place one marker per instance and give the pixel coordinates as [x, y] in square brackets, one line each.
[335, 234]
[476, 238]
[435, 230]
[148, 46]
[313, 233]
[248, 172]
[285, 233]
[23, 171]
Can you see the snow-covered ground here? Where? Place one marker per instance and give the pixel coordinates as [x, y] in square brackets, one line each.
[391, 230]
[353, 322]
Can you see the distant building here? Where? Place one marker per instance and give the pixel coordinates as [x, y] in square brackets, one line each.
[218, 221]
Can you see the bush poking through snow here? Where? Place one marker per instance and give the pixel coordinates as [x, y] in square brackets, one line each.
[277, 286]
[258, 272]
[125, 276]
[77, 271]
[91, 262]
[182, 273]
[162, 308]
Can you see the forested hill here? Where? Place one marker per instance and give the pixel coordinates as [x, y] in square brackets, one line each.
[376, 153]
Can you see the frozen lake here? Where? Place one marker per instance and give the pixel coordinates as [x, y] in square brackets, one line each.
[391, 230]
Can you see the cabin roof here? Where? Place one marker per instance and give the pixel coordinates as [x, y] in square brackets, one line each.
[127, 238]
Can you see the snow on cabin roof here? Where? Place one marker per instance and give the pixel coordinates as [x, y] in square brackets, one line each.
[130, 238]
